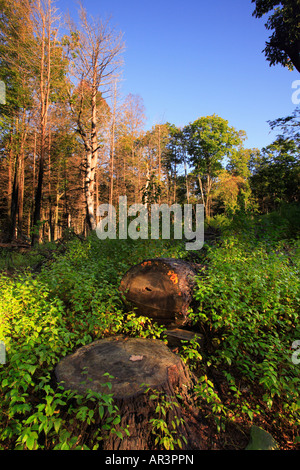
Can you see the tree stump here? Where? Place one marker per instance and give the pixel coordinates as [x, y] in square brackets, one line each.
[135, 364]
[161, 289]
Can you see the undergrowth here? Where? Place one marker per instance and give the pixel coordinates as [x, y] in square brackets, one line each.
[247, 310]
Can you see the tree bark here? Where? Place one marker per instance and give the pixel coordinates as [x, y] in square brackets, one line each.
[186, 182]
[10, 166]
[14, 201]
[112, 146]
[45, 76]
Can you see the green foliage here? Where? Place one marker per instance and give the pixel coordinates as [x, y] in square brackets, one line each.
[166, 435]
[249, 305]
[73, 300]
[208, 141]
[275, 175]
[283, 19]
[248, 311]
[190, 353]
[205, 392]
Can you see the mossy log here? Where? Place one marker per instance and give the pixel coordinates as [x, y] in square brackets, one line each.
[162, 289]
[135, 364]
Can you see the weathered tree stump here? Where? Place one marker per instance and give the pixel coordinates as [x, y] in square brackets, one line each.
[135, 364]
[161, 289]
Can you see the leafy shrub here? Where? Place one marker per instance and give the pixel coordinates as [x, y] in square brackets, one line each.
[251, 227]
[43, 317]
[249, 307]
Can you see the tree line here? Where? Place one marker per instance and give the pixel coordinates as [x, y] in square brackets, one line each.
[69, 142]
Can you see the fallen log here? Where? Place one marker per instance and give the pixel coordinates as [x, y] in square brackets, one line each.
[175, 337]
[16, 245]
[135, 364]
[162, 289]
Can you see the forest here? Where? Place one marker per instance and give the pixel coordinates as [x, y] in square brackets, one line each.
[69, 142]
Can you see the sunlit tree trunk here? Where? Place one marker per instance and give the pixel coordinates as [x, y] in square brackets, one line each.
[97, 50]
[44, 26]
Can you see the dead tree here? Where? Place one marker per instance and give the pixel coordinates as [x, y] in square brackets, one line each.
[97, 48]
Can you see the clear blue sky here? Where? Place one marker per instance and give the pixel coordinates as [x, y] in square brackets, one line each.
[194, 58]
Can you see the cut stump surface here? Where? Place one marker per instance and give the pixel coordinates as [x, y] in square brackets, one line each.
[135, 364]
[161, 288]
[131, 361]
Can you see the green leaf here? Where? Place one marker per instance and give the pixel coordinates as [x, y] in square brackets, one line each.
[101, 411]
[31, 440]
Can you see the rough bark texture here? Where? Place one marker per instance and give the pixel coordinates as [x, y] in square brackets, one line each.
[135, 363]
[161, 289]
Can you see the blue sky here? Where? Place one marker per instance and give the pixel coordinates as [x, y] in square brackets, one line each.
[194, 58]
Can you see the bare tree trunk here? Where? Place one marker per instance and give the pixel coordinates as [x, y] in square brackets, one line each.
[139, 180]
[10, 167]
[112, 146]
[208, 197]
[93, 158]
[186, 183]
[45, 18]
[175, 182]
[22, 176]
[89, 193]
[14, 201]
[159, 163]
[56, 216]
[50, 221]
[33, 186]
[201, 189]
[38, 200]
[21, 189]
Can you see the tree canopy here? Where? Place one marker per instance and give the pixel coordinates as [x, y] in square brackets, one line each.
[208, 141]
[283, 46]
[71, 142]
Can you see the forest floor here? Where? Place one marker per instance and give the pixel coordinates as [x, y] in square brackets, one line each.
[248, 311]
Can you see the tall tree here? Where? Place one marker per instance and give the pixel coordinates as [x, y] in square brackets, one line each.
[283, 46]
[94, 52]
[15, 39]
[155, 146]
[276, 175]
[275, 172]
[172, 158]
[130, 162]
[208, 141]
[45, 28]
[228, 188]
[33, 67]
